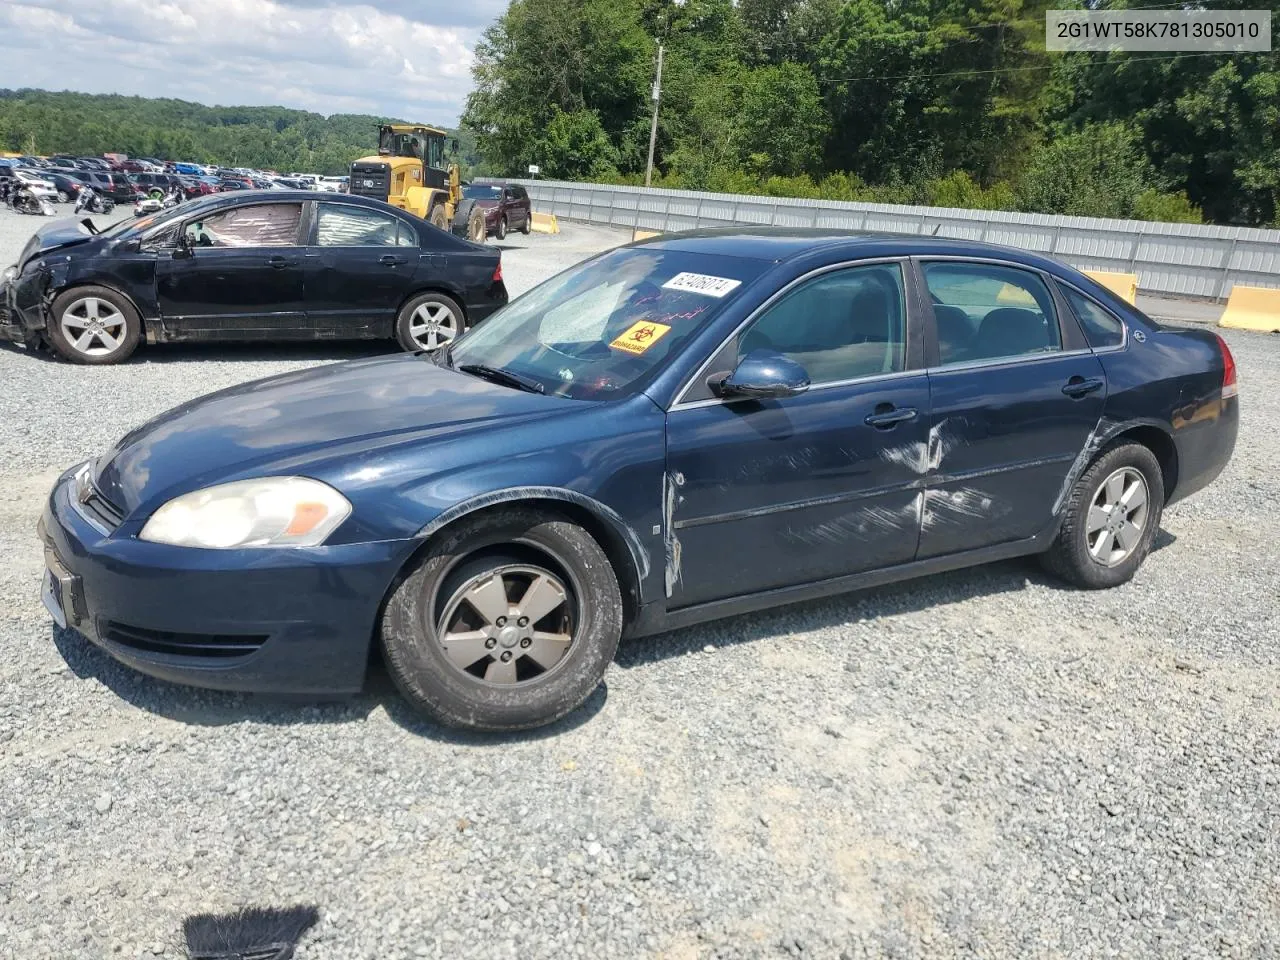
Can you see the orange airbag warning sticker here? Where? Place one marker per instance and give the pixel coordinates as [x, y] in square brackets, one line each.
[640, 336]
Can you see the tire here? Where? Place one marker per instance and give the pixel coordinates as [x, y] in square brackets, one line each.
[527, 227]
[515, 547]
[436, 217]
[468, 222]
[63, 197]
[114, 339]
[1099, 558]
[428, 321]
[501, 232]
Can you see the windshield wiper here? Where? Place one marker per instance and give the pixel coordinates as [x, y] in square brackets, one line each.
[499, 375]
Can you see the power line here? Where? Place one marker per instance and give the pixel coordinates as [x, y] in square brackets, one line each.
[1045, 66]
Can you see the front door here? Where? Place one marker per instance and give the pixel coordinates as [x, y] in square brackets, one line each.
[774, 493]
[1014, 401]
[358, 269]
[239, 276]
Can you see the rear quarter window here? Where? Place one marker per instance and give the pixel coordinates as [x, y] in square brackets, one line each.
[1101, 328]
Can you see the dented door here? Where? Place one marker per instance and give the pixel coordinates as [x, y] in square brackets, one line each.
[765, 494]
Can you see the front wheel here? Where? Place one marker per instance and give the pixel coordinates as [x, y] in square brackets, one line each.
[1111, 519]
[501, 232]
[509, 621]
[437, 218]
[93, 325]
[429, 321]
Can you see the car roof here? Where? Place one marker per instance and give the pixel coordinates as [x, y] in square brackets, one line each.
[778, 244]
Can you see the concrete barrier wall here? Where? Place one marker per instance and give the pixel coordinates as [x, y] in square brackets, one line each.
[1169, 259]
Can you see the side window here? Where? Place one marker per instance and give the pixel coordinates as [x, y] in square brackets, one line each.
[989, 312]
[1101, 329]
[259, 225]
[406, 236]
[339, 225]
[841, 325]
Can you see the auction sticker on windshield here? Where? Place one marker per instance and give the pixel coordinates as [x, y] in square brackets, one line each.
[640, 336]
[701, 283]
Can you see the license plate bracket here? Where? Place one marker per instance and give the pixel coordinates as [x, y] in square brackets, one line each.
[51, 594]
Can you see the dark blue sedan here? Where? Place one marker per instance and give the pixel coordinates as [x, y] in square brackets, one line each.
[700, 425]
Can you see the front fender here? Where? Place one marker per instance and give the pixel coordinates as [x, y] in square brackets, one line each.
[606, 516]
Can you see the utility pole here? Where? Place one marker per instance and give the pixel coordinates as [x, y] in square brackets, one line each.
[653, 129]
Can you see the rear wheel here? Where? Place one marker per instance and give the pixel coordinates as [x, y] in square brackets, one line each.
[1111, 519]
[437, 218]
[508, 622]
[527, 227]
[428, 321]
[93, 325]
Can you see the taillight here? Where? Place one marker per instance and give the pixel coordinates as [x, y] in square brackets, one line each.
[497, 277]
[1229, 386]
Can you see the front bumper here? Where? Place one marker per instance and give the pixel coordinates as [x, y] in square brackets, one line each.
[21, 311]
[10, 321]
[278, 621]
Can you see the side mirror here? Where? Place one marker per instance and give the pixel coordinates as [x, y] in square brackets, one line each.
[762, 375]
[182, 248]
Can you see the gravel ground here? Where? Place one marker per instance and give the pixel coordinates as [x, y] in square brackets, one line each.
[979, 764]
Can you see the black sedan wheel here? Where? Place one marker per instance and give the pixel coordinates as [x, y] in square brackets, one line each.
[429, 321]
[93, 325]
[1111, 520]
[509, 621]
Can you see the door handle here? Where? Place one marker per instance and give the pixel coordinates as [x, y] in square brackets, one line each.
[278, 261]
[388, 260]
[890, 418]
[1080, 387]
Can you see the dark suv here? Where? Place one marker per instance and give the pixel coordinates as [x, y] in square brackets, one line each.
[156, 184]
[506, 206]
[113, 185]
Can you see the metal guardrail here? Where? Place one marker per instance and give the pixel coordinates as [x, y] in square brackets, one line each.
[1170, 259]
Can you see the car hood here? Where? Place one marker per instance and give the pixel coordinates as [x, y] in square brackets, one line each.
[67, 232]
[285, 424]
[486, 203]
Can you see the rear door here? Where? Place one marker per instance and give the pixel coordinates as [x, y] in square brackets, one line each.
[522, 205]
[358, 269]
[1015, 394]
[239, 279]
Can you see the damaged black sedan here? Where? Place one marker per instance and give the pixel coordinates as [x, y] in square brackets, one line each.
[258, 265]
[678, 430]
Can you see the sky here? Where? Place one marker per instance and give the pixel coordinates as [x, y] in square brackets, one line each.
[404, 58]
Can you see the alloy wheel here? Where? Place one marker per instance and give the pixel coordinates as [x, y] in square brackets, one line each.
[1117, 517]
[432, 324]
[93, 326]
[509, 625]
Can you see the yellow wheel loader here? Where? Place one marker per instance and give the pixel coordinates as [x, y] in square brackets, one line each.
[410, 172]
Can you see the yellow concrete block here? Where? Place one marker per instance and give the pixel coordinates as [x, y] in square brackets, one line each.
[1123, 285]
[638, 234]
[545, 222]
[1015, 295]
[1252, 308]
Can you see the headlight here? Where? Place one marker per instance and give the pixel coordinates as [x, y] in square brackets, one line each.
[271, 512]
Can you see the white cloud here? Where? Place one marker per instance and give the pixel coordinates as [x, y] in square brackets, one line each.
[394, 57]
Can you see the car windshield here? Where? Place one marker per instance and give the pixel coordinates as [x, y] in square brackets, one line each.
[482, 191]
[598, 331]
